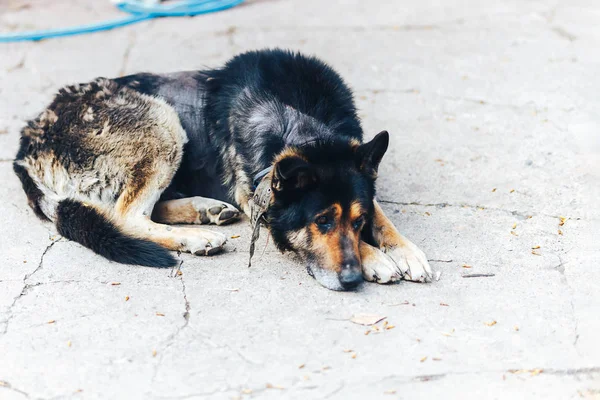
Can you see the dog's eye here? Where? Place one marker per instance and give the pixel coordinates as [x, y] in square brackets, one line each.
[323, 220]
[358, 222]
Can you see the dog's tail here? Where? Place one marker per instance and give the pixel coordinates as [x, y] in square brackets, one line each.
[87, 225]
[91, 227]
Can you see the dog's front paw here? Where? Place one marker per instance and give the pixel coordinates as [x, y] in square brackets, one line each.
[410, 261]
[377, 266]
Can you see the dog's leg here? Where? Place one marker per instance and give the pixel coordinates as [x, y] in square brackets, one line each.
[377, 266]
[135, 205]
[410, 262]
[188, 239]
[194, 210]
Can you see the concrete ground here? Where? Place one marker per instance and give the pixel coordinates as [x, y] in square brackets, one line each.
[493, 169]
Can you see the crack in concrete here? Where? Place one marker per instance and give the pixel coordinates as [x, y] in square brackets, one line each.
[8, 386]
[170, 340]
[564, 34]
[560, 268]
[548, 371]
[524, 215]
[125, 60]
[26, 286]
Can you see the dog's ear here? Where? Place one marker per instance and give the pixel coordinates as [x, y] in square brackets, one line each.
[292, 173]
[369, 155]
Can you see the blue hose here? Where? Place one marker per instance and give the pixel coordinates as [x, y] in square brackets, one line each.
[139, 11]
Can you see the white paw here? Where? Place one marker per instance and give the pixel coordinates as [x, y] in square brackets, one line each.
[211, 211]
[377, 266]
[205, 243]
[410, 262]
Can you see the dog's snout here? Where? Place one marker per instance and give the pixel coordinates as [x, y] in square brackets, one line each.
[351, 274]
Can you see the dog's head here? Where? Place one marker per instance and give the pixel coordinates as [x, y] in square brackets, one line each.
[323, 202]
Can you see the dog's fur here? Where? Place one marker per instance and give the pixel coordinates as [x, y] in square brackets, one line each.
[112, 162]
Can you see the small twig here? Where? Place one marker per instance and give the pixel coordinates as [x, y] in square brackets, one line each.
[477, 275]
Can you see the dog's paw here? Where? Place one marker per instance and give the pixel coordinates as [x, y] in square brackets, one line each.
[213, 211]
[206, 243]
[410, 261]
[377, 266]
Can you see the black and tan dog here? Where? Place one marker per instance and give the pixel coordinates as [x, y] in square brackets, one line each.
[114, 163]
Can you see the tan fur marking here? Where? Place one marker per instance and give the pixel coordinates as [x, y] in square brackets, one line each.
[328, 246]
[355, 143]
[369, 254]
[141, 174]
[384, 231]
[356, 210]
[289, 152]
[181, 211]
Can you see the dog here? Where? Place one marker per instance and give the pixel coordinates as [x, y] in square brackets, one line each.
[119, 165]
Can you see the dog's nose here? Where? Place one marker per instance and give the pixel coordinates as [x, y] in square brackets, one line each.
[351, 275]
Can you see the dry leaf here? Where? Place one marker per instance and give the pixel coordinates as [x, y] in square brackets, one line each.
[69, 343]
[512, 190]
[366, 319]
[448, 334]
[492, 323]
[436, 359]
[153, 353]
[348, 351]
[158, 314]
[513, 233]
[467, 266]
[493, 190]
[126, 298]
[535, 253]
[390, 327]
[423, 359]
[561, 221]
[51, 321]
[301, 366]
[514, 226]
[179, 273]
[115, 283]
[271, 386]
[4, 384]
[444, 304]
[235, 236]
[535, 372]
[233, 289]
[427, 213]
[535, 247]
[353, 355]
[560, 232]
[367, 332]
[516, 328]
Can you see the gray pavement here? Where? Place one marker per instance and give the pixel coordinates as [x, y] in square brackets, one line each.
[493, 111]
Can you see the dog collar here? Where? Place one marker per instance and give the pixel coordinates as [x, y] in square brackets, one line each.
[259, 203]
[258, 177]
